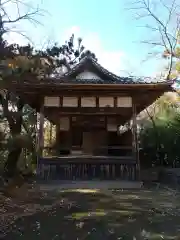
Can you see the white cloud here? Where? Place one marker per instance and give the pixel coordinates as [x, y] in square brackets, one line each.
[113, 60]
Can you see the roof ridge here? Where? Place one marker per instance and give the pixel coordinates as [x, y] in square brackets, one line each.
[76, 66]
[113, 78]
[97, 65]
[104, 69]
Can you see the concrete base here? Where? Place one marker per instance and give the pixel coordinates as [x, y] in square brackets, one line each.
[104, 185]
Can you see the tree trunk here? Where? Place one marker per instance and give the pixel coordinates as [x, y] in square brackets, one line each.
[10, 168]
[15, 124]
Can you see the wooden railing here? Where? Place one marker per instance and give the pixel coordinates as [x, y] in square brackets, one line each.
[100, 151]
[88, 168]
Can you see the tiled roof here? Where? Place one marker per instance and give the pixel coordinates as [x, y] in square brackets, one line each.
[94, 63]
[108, 77]
[121, 80]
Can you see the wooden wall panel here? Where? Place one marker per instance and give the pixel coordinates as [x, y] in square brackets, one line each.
[51, 101]
[111, 124]
[64, 123]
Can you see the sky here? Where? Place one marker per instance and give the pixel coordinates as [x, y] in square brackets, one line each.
[108, 28]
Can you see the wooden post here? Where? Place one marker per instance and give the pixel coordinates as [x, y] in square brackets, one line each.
[70, 133]
[41, 130]
[40, 135]
[135, 138]
[57, 136]
[37, 143]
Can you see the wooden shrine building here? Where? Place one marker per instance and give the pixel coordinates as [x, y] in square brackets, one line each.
[87, 105]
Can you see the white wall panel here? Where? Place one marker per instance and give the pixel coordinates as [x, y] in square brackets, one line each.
[70, 102]
[87, 75]
[51, 101]
[106, 102]
[88, 102]
[124, 102]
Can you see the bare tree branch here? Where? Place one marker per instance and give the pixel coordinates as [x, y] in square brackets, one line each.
[171, 10]
[167, 40]
[153, 43]
[5, 2]
[26, 16]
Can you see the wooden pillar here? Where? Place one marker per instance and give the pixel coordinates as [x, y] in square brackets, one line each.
[57, 137]
[70, 134]
[40, 136]
[41, 130]
[135, 139]
[50, 133]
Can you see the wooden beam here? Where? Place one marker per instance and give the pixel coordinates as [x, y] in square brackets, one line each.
[90, 110]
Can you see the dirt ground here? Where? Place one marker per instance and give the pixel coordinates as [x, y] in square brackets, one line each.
[80, 214]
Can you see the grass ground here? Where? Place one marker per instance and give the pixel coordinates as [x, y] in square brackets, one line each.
[85, 215]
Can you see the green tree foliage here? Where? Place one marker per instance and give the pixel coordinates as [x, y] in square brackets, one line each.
[160, 139]
[20, 62]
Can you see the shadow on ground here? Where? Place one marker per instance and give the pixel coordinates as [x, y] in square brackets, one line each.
[80, 215]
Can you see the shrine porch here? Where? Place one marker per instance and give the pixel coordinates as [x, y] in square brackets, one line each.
[88, 167]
